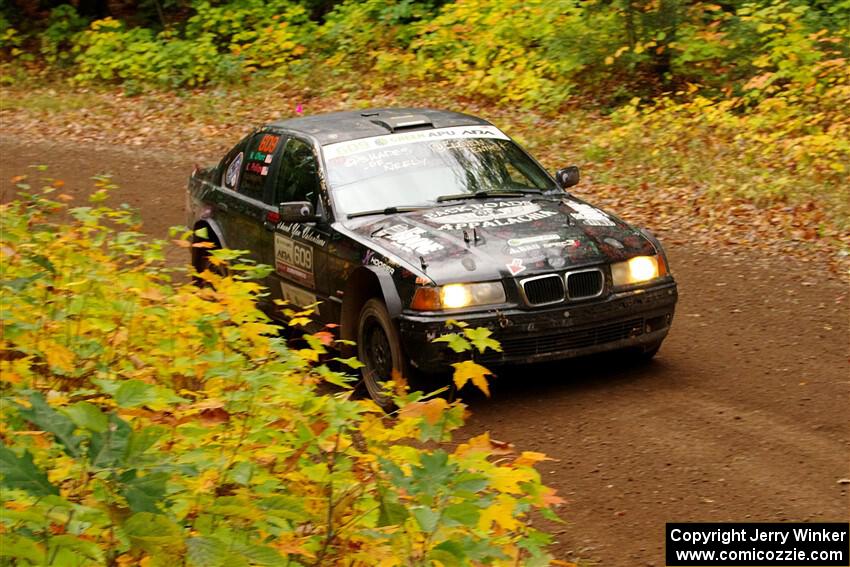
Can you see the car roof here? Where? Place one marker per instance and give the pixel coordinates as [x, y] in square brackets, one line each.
[335, 127]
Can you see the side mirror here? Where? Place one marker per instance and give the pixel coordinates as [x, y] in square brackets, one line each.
[567, 177]
[297, 211]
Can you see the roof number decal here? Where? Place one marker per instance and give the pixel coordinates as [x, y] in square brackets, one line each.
[268, 143]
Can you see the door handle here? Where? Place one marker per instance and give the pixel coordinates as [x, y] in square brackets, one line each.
[223, 207]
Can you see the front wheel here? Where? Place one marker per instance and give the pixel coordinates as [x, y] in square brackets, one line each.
[379, 349]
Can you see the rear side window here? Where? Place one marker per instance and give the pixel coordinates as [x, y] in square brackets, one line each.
[258, 159]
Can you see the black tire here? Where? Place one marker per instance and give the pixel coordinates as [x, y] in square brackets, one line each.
[379, 349]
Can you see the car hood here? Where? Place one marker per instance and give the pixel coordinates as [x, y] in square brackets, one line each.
[495, 238]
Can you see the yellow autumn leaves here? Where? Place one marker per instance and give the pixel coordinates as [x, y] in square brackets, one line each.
[174, 416]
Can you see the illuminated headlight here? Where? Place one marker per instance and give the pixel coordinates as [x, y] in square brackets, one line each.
[456, 296]
[637, 270]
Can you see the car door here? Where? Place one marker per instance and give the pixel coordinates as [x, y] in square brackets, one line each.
[300, 248]
[244, 196]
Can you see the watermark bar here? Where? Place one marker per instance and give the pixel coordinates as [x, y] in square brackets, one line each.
[758, 544]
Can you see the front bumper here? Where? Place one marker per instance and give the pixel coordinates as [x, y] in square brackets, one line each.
[639, 318]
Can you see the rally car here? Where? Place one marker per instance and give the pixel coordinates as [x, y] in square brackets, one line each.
[395, 221]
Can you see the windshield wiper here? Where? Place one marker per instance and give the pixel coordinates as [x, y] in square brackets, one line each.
[488, 194]
[387, 211]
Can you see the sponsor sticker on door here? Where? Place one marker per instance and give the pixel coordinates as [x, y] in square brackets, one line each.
[294, 260]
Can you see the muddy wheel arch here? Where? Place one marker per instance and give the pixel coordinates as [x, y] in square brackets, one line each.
[214, 235]
[364, 284]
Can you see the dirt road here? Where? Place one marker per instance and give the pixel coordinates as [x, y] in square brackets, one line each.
[743, 416]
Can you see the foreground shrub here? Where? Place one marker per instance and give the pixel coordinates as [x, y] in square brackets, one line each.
[151, 421]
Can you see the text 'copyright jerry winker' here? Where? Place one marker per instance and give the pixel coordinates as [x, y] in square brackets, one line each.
[758, 545]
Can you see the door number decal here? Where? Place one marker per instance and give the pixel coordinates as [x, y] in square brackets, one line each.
[294, 260]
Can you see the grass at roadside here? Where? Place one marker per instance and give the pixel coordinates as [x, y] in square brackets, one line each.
[686, 172]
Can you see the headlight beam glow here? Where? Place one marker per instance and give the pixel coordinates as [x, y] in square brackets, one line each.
[643, 268]
[455, 296]
[637, 270]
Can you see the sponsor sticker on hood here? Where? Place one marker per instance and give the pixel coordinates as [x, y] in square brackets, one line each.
[487, 215]
[588, 215]
[410, 239]
[532, 239]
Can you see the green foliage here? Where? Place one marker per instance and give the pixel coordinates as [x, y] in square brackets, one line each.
[57, 38]
[9, 36]
[108, 51]
[493, 49]
[263, 35]
[355, 31]
[218, 44]
[154, 422]
[533, 53]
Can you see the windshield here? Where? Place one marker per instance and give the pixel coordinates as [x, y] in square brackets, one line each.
[417, 168]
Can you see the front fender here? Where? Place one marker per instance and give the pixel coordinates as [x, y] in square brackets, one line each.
[363, 284]
[656, 244]
[388, 290]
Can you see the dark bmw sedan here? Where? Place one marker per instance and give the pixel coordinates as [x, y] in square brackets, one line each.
[392, 222]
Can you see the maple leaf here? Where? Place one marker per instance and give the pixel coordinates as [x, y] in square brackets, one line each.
[485, 443]
[469, 370]
[456, 342]
[477, 443]
[60, 357]
[432, 410]
[480, 337]
[501, 511]
[324, 337]
[529, 458]
[308, 354]
[548, 497]
[351, 362]
[507, 479]
[399, 383]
